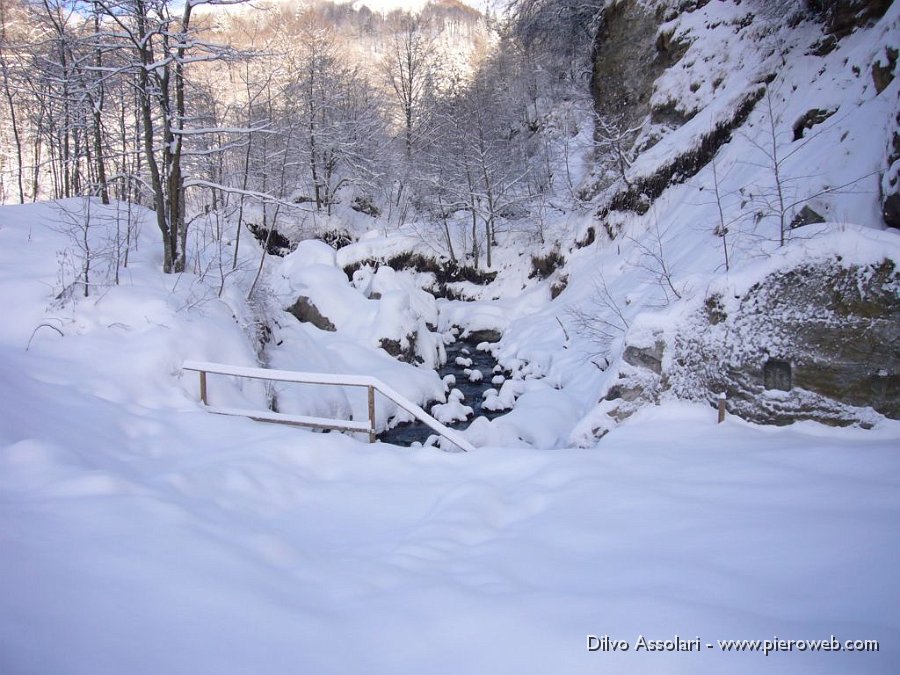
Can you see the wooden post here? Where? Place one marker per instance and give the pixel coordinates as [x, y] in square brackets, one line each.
[721, 407]
[203, 387]
[371, 413]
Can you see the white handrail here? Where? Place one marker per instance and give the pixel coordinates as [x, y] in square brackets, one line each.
[417, 411]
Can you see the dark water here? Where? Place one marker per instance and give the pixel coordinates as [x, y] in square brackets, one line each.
[406, 434]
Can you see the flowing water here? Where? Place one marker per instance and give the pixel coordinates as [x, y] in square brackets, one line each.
[406, 434]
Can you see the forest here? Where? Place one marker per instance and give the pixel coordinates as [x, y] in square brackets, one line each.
[275, 117]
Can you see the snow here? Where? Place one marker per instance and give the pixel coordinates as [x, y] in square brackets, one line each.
[302, 420]
[495, 314]
[402, 311]
[451, 411]
[309, 252]
[281, 375]
[141, 534]
[506, 397]
[571, 346]
[251, 548]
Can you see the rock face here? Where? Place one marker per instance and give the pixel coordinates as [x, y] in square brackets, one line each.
[819, 341]
[844, 16]
[883, 71]
[631, 52]
[890, 180]
[807, 216]
[891, 210]
[396, 349]
[646, 357]
[810, 119]
[628, 58]
[681, 167]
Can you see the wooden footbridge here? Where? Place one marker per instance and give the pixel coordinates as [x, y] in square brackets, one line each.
[371, 384]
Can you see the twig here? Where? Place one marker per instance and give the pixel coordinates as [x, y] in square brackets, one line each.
[39, 326]
[565, 332]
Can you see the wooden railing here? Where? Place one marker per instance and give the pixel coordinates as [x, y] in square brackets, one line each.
[371, 384]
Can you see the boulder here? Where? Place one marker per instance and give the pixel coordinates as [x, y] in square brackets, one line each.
[486, 335]
[396, 349]
[807, 216]
[307, 312]
[315, 252]
[646, 357]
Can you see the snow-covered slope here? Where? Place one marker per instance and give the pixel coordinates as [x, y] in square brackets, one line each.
[139, 534]
[753, 122]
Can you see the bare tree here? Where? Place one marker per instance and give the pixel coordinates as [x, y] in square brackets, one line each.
[96, 245]
[603, 321]
[614, 142]
[10, 96]
[158, 46]
[780, 196]
[775, 198]
[408, 65]
[724, 220]
[474, 157]
[654, 261]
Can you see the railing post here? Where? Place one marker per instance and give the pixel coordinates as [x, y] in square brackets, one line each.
[203, 387]
[721, 407]
[371, 413]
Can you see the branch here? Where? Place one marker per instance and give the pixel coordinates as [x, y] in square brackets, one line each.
[262, 196]
[39, 326]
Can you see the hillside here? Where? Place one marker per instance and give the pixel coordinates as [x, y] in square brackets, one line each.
[755, 149]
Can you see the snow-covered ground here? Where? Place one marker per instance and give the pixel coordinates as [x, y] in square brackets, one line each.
[140, 534]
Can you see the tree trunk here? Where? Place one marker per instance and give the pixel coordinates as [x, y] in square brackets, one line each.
[97, 112]
[146, 111]
[17, 139]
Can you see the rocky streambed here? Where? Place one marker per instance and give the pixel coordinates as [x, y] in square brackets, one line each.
[470, 374]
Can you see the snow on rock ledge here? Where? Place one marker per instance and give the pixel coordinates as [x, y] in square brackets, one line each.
[810, 334]
[311, 286]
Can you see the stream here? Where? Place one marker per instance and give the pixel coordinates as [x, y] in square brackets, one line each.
[461, 355]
